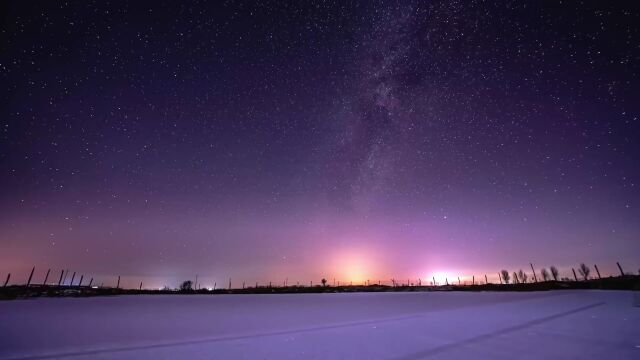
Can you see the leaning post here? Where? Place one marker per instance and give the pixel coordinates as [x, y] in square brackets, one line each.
[597, 271]
[535, 278]
[46, 278]
[620, 267]
[30, 276]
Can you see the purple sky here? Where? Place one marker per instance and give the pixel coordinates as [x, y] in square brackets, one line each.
[304, 140]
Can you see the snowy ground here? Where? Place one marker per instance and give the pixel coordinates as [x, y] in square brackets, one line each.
[442, 325]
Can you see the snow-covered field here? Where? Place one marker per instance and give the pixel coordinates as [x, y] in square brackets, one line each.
[441, 325]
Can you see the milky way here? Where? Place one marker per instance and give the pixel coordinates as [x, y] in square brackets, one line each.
[357, 140]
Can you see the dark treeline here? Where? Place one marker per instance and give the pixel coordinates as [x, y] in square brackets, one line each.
[519, 280]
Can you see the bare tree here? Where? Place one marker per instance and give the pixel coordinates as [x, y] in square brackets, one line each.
[584, 271]
[515, 278]
[505, 276]
[522, 276]
[554, 273]
[324, 282]
[545, 274]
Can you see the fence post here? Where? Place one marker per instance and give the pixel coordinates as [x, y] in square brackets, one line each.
[535, 278]
[473, 280]
[60, 281]
[485, 279]
[500, 278]
[574, 274]
[46, 278]
[30, 276]
[7, 281]
[118, 285]
[229, 283]
[140, 286]
[620, 267]
[72, 277]
[597, 271]
[66, 273]
[81, 277]
[90, 282]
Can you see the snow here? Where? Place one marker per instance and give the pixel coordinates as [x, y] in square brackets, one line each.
[433, 325]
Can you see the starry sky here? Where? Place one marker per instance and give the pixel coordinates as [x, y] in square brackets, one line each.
[297, 140]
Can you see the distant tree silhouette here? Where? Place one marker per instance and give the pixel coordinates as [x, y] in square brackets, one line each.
[324, 282]
[522, 276]
[584, 271]
[515, 278]
[505, 276]
[545, 274]
[554, 273]
[186, 285]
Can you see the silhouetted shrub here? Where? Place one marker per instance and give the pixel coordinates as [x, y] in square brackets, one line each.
[505, 276]
[545, 274]
[584, 271]
[324, 282]
[515, 278]
[186, 285]
[522, 276]
[554, 273]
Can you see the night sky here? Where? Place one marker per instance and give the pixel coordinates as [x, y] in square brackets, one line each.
[350, 140]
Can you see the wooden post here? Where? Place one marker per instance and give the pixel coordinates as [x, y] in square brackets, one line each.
[72, 277]
[434, 281]
[81, 277]
[535, 278]
[311, 283]
[243, 285]
[574, 274]
[60, 281]
[7, 281]
[90, 282]
[473, 280]
[446, 280]
[30, 276]
[485, 279]
[229, 283]
[140, 286]
[66, 273]
[458, 280]
[500, 278]
[118, 285]
[196, 284]
[214, 285]
[597, 271]
[46, 278]
[620, 267]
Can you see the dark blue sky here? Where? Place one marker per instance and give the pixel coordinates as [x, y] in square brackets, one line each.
[358, 140]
